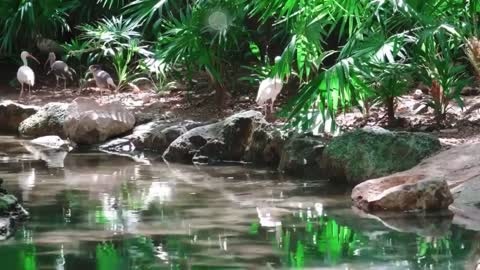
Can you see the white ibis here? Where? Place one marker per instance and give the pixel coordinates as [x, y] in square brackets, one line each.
[102, 78]
[25, 74]
[269, 90]
[59, 68]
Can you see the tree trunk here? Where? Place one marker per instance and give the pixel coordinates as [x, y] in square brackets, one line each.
[390, 103]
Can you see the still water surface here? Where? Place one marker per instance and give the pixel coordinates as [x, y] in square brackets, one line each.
[106, 212]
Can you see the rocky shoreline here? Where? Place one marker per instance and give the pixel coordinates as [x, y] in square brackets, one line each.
[393, 171]
[11, 213]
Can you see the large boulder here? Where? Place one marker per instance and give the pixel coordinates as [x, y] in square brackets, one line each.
[48, 120]
[88, 122]
[458, 166]
[12, 114]
[302, 155]
[155, 136]
[402, 193]
[226, 140]
[375, 152]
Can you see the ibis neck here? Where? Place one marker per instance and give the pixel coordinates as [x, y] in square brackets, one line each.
[25, 63]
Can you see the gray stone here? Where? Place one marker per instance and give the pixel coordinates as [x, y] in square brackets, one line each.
[51, 149]
[226, 140]
[420, 108]
[154, 136]
[48, 120]
[87, 122]
[11, 212]
[12, 114]
[470, 91]
[52, 142]
[375, 152]
[265, 147]
[301, 156]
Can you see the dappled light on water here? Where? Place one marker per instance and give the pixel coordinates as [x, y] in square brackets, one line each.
[108, 212]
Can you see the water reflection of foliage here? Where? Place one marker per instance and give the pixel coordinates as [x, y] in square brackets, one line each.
[316, 241]
[321, 241]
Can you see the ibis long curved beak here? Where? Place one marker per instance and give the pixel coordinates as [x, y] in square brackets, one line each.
[33, 57]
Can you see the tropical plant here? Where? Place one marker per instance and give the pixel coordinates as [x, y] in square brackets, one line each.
[204, 37]
[21, 21]
[357, 32]
[117, 43]
[439, 67]
[386, 82]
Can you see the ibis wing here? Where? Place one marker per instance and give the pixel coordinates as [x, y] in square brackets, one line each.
[264, 91]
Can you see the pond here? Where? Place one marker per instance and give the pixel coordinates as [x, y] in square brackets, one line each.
[92, 210]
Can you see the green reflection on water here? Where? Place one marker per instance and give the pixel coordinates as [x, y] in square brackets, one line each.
[302, 243]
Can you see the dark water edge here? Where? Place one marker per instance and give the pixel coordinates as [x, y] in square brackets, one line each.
[103, 212]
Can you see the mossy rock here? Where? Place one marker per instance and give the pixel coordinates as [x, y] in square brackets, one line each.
[7, 203]
[375, 152]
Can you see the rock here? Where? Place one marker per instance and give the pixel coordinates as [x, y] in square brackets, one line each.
[301, 156]
[459, 167]
[11, 212]
[449, 131]
[226, 140]
[87, 122]
[470, 91]
[375, 152]
[12, 114]
[6, 227]
[266, 145]
[420, 108]
[467, 205]
[52, 142]
[147, 117]
[48, 120]
[402, 193]
[51, 149]
[154, 136]
[418, 94]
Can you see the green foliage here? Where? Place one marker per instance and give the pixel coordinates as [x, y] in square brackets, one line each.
[204, 36]
[22, 20]
[343, 53]
[115, 42]
[437, 59]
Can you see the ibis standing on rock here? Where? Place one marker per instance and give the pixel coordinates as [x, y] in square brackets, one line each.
[103, 80]
[59, 68]
[25, 74]
[269, 90]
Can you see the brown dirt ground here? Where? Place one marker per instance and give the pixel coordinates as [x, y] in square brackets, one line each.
[462, 126]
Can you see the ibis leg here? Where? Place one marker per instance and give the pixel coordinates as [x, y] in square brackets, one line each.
[21, 93]
[65, 84]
